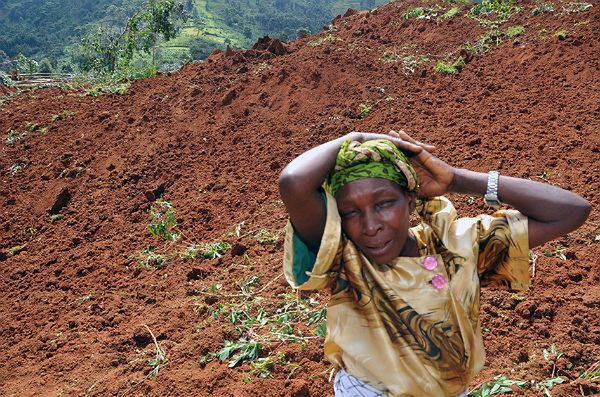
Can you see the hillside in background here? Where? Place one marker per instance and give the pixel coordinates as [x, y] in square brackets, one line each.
[94, 304]
[53, 29]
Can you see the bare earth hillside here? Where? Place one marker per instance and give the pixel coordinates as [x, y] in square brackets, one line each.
[81, 288]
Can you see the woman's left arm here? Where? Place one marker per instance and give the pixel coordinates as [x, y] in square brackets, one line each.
[552, 211]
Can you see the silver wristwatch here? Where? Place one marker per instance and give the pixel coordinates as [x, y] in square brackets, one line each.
[491, 194]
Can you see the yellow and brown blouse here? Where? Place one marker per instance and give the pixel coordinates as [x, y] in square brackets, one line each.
[411, 328]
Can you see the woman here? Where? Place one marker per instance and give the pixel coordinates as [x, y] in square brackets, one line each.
[403, 319]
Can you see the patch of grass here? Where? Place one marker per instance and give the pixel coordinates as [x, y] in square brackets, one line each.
[500, 384]
[85, 298]
[592, 374]
[55, 217]
[264, 236]
[451, 13]
[573, 7]
[514, 31]
[163, 222]
[421, 13]
[16, 167]
[191, 252]
[110, 88]
[558, 252]
[561, 34]
[248, 283]
[542, 8]
[449, 68]
[160, 357]
[322, 40]
[485, 42]
[364, 109]
[214, 250]
[32, 126]
[149, 258]
[263, 366]
[14, 136]
[389, 56]
[498, 7]
[15, 250]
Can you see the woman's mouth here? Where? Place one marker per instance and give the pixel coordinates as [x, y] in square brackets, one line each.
[377, 249]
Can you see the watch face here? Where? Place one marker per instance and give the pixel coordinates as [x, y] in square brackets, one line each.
[492, 202]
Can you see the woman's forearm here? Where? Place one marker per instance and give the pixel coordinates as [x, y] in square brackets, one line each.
[542, 203]
[309, 170]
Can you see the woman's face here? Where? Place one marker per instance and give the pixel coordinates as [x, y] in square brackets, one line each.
[375, 216]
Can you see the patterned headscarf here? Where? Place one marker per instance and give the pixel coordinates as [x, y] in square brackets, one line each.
[378, 158]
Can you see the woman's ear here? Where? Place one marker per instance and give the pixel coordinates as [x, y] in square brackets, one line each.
[412, 200]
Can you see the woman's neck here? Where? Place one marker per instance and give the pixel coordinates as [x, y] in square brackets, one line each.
[411, 247]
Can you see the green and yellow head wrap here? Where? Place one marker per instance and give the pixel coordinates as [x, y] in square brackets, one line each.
[378, 158]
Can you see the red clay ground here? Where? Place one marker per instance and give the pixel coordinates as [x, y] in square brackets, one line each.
[212, 139]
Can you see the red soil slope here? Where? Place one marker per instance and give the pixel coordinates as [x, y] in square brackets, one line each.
[212, 139]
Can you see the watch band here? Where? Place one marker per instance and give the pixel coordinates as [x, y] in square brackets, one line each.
[491, 194]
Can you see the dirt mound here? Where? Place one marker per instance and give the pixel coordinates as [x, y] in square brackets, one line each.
[82, 274]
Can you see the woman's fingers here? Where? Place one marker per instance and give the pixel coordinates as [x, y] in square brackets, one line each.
[403, 135]
[402, 144]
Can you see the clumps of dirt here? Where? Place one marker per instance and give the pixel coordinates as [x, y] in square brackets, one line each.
[211, 139]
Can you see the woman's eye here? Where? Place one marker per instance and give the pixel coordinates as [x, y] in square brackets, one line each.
[385, 203]
[349, 213]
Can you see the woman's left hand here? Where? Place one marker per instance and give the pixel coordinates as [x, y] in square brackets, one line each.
[435, 176]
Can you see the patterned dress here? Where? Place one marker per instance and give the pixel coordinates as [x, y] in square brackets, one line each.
[411, 328]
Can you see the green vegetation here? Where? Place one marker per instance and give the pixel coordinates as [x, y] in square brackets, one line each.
[260, 322]
[514, 31]
[265, 236]
[421, 13]
[561, 34]
[449, 68]
[16, 167]
[55, 217]
[163, 222]
[500, 384]
[13, 137]
[108, 51]
[214, 250]
[48, 38]
[110, 87]
[543, 8]
[572, 7]
[149, 258]
[15, 250]
[558, 252]
[451, 13]
[592, 374]
[485, 42]
[364, 109]
[321, 40]
[493, 11]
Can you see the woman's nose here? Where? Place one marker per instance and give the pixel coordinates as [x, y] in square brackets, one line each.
[371, 224]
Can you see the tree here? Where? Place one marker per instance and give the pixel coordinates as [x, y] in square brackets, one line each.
[108, 51]
[26, 65]
[45, 66]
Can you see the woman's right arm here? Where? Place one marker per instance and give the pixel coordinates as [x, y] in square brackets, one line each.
[299, 186]
[301, 180]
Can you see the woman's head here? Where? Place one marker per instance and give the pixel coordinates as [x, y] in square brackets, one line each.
[374, 185]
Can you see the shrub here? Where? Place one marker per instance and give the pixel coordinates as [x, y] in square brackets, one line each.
[5, 79]
[163, 220]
